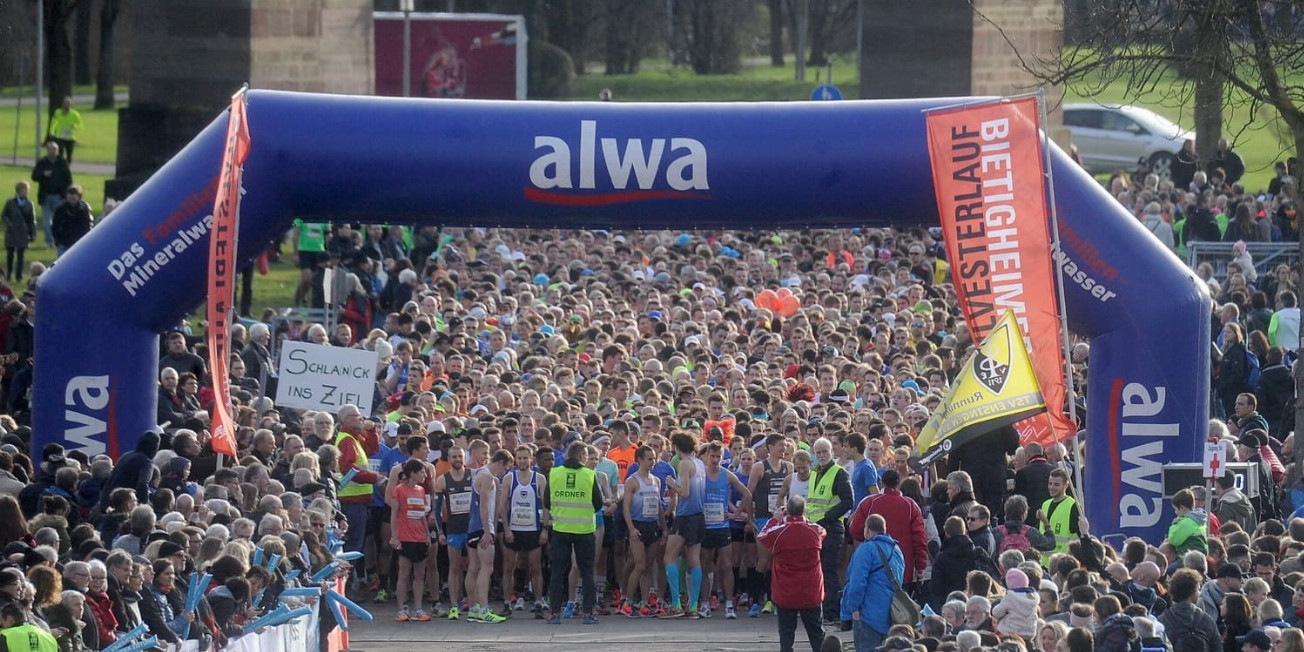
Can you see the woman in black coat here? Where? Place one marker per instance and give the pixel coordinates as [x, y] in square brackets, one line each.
[1234, 371]
[952, 563]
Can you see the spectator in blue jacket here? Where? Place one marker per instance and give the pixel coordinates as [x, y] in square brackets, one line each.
[867, 596]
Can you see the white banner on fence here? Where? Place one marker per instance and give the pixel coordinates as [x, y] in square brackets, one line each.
[316, 377]
[297, 636]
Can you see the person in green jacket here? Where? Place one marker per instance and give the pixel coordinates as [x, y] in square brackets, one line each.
[64, 125]
[1190, 530]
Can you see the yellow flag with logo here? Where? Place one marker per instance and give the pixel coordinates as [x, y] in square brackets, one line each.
[996, 387]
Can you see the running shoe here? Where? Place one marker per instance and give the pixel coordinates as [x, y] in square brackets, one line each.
[438, 610]
[768, 608]
[403, 615]
[454, 613]
[589, 619]
[692, 614]
[754, 611]
[554, 619]
[705, 611]
[645, 611]
[568, 611]
[744, 600]
[382, 596]
[374, 585]
[464, 603]
[715, 602]
[628, 611]
[473, 614]
[616, 599]
[519, 604]
[490, 618]
[671, 612]
[730, 612]
[652, 599]
[421, 616]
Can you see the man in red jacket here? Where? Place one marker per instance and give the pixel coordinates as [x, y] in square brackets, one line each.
[905, 523]
[797, 588]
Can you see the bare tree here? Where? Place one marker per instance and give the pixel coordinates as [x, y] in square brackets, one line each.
[58, 50]
[1229, 54]
[776, 33]
[104, 75]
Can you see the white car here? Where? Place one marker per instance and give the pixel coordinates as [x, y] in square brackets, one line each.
[1110, 138]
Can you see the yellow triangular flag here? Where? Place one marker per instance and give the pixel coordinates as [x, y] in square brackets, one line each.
[996, 387]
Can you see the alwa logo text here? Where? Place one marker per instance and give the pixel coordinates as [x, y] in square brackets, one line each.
[635, 169]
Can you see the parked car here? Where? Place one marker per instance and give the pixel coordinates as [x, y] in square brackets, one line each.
[1110, 138]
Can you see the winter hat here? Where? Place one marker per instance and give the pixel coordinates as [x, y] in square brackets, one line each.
[1015, 579]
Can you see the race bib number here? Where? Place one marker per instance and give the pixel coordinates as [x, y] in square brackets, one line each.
[774, 503]
[714, 513]
[522, 517]
[416, 514]
[651, 506]
[415, 502]
[460, 503]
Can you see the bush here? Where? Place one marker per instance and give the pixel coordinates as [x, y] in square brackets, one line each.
[551, 71]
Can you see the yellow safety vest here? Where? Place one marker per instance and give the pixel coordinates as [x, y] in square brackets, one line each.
[571, 499]
[29, 638]
[1059, 526]
[820, 498]
[354, 488]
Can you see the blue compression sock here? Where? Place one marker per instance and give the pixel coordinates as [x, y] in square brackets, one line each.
[672, 583]
[695, 589]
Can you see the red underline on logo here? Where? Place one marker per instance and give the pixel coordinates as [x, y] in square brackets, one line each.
[603, 199]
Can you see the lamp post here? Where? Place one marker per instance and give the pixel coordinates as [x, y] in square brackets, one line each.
[407, 6]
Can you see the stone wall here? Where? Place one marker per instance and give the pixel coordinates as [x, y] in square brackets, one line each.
[1034, 32]
[190, 57]
[321, 46]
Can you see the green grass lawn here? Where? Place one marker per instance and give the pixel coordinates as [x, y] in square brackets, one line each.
[97, 142]
[29, 91]
[1260, 137]
[758, 81]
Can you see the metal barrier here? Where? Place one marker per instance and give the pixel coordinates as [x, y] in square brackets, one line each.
[1266, 255]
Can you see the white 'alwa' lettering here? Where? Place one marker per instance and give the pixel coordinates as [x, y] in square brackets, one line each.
[640, 158]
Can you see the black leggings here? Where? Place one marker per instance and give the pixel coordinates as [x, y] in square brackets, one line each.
[9, 262]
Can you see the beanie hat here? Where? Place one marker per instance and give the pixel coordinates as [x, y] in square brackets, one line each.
[1015, 579]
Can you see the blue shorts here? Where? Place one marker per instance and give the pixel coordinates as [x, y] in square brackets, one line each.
[457, 541]
[761, 523]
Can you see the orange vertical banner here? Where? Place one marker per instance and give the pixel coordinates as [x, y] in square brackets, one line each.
[221, 272]
[989, 175]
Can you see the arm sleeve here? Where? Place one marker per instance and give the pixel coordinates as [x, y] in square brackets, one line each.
[597, 495]
[918, 540]
[853, 593]
[1272, 330]
[858, 518]
[846, 499]
[349, 461]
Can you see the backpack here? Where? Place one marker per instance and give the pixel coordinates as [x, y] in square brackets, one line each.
[1252, 365]
[982, 561]
[1239, 512]
[1195, 639]
[1013, 540]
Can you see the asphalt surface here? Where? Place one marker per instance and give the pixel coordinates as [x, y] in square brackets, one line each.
[523, 632]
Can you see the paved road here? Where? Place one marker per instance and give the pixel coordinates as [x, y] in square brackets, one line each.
[612, 634]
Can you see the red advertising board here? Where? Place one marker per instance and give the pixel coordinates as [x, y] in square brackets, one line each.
[472, 56]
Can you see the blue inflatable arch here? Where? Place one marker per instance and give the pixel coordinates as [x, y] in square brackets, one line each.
[526, 164]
